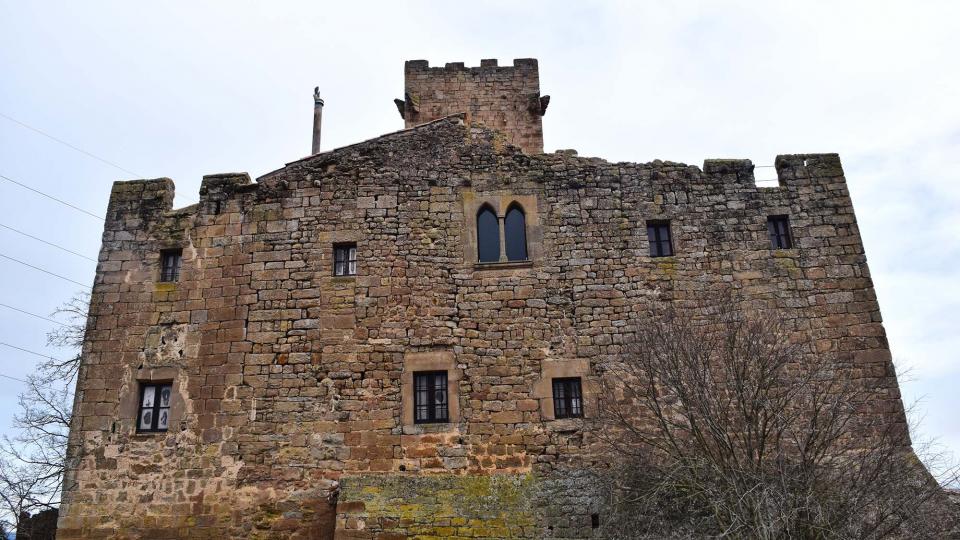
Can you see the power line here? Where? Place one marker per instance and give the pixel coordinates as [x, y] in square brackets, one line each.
[28, 351]
[48, 243]
[14, 378]
[65, 143]
[81, 150]
[44, 271]
[33, 314]
[36, 384]
[77, 208]
[35, 353]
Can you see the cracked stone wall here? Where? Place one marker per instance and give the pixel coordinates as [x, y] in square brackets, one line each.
[288, 416]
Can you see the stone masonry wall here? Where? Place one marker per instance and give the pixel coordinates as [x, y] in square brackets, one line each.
[505, 98]
[288, 416]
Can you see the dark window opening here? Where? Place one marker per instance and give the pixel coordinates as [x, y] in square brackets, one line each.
[779, 229]
[488, 235]
[567, 398]
[515, 234]
[594, 521]
[658, 233]
[170, 261]
[154, 407]
[345, 260]
[430, 397]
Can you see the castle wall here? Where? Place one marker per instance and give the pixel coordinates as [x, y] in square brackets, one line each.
[505, 98]
[289, 410]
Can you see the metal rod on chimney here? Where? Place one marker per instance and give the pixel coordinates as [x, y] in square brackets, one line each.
[317, 119]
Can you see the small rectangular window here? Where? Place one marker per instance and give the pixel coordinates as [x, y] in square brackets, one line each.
[345, 260]
[154, 407]
[779, 229]
[658, 233]
[567, 398]
[170, 261]
[430, 397]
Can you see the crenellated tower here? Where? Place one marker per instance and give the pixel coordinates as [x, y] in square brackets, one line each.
[505, 98]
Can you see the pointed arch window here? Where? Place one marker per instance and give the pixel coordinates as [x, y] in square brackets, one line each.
[515, 234]
[488, 235]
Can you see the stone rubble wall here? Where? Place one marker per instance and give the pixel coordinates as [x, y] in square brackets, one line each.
[504, 98]
[288, 401]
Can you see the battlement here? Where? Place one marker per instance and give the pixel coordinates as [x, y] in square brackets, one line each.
[150, 201]
[505, 98]
[528, 64]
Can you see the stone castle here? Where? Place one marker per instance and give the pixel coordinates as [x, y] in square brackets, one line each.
[400, 338]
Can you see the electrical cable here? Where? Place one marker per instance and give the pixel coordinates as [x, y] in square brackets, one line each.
[48, 243]
[33, 314]
[77, 208]
[44, 271]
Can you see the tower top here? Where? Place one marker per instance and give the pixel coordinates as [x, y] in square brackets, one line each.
[505, 98]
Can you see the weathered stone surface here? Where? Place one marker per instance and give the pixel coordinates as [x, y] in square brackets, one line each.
[288, 413]
[505, 98]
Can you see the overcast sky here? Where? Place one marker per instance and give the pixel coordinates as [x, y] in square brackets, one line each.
[198, 88]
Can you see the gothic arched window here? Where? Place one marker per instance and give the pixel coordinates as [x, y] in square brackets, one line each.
[515, 234]
[488, 235]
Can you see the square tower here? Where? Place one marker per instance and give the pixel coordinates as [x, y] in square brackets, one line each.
[506, 98]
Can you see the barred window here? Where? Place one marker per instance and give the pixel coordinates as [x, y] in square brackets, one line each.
[170, 260]
[658, 233]
[567, 398]
[430, 397]
[779, 229]
[345, 259]
[154, 407]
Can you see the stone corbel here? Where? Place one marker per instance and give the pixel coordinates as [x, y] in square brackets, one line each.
[538, 104]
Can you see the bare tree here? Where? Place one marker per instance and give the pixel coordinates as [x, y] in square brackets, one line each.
[23, 490]
[70, 337]
[727, 424]
[32, 461]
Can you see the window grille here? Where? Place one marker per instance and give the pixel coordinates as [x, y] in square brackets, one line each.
[170, 261]
[345, 260]
[430, 397]
[779, 229]
[658, 233]
[567, 398]
[154, 407]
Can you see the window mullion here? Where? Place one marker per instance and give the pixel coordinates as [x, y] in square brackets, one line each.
[155, 423]
[431, 400]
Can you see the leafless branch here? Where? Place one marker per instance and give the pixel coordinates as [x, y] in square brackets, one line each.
[32, 460]
[730, 425]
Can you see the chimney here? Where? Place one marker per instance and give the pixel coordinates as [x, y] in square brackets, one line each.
[317, 118]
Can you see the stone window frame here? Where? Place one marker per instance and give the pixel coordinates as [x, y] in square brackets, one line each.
[429, 361]
[501, 202]
[130, 400]
[565, 369]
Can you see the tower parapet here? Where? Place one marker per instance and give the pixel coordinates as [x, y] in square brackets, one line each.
[505, 98]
